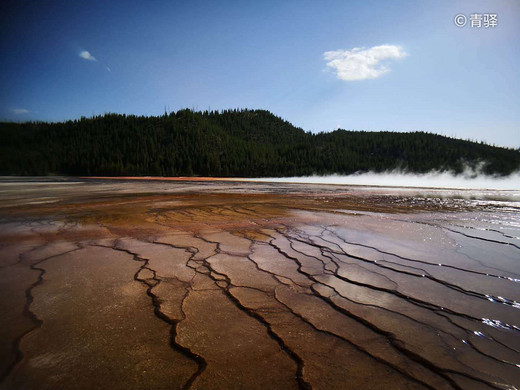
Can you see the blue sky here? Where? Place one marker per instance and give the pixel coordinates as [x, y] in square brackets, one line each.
[148, 55]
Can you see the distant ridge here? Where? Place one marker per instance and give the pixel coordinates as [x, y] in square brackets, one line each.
[230, 143]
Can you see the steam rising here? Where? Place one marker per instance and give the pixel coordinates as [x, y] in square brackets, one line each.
[466, 180]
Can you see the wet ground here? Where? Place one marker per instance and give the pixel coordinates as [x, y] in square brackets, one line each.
[127, 284]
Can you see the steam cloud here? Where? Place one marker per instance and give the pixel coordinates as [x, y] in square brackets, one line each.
[467, 180]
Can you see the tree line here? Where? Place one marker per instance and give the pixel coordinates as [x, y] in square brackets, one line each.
[230, 143]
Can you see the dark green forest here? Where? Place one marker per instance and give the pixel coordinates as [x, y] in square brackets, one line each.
[230, 143]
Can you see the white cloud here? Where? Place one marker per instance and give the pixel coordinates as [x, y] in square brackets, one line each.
[361, 63]
[19, 111]
[87, 56]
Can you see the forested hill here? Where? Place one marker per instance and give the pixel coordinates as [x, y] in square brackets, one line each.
[245, 143]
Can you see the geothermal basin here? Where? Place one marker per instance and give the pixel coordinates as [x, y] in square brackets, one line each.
[208, 284]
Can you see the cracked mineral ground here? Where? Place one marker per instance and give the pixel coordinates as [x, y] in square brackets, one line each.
[124, 284]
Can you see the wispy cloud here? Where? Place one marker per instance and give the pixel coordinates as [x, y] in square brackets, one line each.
[87, 56]
[19, 111]
[361, 63]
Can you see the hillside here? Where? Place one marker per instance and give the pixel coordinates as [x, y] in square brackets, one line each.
[242, 143]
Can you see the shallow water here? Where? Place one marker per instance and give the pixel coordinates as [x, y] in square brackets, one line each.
[257, 285]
